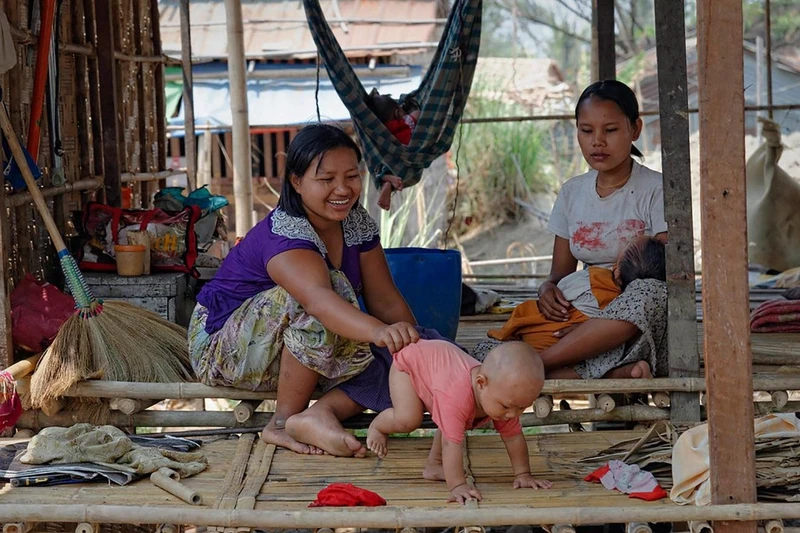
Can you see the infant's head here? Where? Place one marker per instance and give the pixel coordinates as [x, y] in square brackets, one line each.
[644, 258]
[384, 106]
[509, 380]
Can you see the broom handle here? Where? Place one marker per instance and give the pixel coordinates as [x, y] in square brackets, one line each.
[30, 181]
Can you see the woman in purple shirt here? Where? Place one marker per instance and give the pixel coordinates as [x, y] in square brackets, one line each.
[282, 312]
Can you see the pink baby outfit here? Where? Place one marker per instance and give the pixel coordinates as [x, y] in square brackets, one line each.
[441, 375]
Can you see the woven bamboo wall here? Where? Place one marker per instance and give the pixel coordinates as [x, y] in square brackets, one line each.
[139, 70]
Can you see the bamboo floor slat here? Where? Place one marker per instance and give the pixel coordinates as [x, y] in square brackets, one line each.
[294, 480]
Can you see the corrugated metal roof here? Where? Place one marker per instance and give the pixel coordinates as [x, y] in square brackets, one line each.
[278, 26]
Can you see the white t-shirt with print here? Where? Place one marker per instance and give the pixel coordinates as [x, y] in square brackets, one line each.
[598, 229]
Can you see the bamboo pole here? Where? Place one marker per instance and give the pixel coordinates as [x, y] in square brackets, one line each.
[164, 391]
[17, 527]
[638, 527]
[22, 198]
[188, 95]
[391, 517]
[245, 409]
[23, 368]
[242, 168]
[37, 419]
[128, 177]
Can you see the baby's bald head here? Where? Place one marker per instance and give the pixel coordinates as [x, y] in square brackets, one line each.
[517, 370]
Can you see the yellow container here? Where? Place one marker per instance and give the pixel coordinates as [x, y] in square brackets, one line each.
[130, 259]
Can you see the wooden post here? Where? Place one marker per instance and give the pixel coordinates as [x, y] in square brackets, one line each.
[6, 346]
[604, 54]
[104, 14]
[684, 361]
[728, 359]
[188, 97]
[242, 180]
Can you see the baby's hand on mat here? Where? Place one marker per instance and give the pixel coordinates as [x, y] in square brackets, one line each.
[396, 336]
[527, 480]
[464, 492]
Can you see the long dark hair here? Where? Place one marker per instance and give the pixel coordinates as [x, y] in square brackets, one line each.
[617, 92]
[647, 261]
[314, 140]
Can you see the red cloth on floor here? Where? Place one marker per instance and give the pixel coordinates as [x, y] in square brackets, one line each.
[346, 495]
[604, 476]
[776, 316]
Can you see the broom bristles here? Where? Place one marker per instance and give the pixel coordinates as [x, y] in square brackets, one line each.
[122, 343]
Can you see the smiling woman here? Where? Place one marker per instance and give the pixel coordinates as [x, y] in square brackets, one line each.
[282, 311]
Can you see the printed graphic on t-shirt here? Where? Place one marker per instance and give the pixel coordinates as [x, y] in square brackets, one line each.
[603, 235]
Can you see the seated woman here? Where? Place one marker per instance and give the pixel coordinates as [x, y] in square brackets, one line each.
[588, 291]
[595, 216]
[282, 312]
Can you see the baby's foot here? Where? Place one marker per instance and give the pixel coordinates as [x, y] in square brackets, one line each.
[395, 182]
[377, 442]
[385, 198]
[434, 471]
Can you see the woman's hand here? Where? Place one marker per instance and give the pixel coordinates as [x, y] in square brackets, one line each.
[552, 303]
[396, 336]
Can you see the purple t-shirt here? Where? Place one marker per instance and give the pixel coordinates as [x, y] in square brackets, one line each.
[243, 273]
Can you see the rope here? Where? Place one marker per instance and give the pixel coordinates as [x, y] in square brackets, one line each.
[316, 90]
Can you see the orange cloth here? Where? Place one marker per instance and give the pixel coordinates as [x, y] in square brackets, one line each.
[529, 325]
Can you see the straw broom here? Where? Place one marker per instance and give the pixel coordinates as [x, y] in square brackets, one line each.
[102, 340]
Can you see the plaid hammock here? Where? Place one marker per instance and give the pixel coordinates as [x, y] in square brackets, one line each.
[441, 96]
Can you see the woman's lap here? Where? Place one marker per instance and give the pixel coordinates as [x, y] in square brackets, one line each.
[245, 353]
[642, 304]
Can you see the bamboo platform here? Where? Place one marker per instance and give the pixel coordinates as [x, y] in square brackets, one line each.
[292, 481]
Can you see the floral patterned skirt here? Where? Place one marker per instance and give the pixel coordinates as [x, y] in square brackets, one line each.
[246, 352]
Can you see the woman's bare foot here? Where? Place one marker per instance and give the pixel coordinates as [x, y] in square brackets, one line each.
[637, 370]
[434, 471]
[377, 441]
[324, 431]
[641, 370]
[272, 434]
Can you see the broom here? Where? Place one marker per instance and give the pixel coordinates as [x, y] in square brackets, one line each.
[109, 340]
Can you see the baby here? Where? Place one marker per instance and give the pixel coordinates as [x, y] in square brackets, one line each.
[589, 291]
[460, 394]
[401, 124]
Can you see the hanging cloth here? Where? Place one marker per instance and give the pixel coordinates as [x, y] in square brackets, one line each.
[441, 96]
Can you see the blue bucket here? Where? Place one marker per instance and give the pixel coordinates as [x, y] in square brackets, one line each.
[430, 281]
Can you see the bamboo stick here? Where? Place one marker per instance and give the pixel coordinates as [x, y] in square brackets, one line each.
[606, 403]
[661, 399]
[542, 406]
[701, 526]
[245, 409]
[131, 406]
[638, 527]
[53, 407]
[168, 528]
[562, 528]
[779, 398]
[17, 527]
[168, 480]
[23, 368]
[773, 526]
[86, 527]
[392, 517]
[163, 391]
